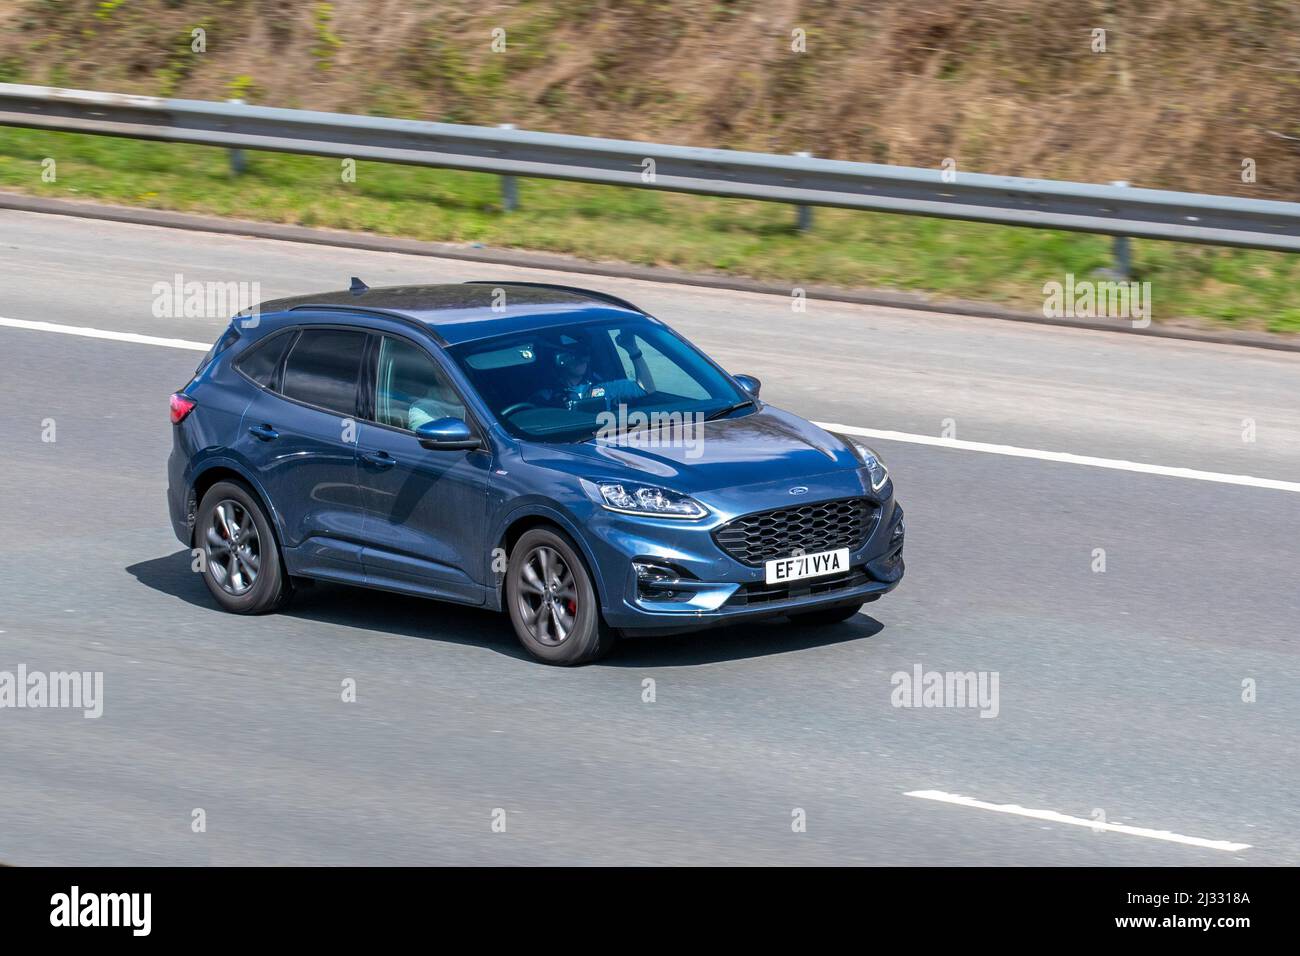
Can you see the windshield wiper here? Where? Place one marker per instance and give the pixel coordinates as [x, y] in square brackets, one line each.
[721, 412]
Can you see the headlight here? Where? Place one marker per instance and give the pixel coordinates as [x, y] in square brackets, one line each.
[634, 499]
[871, 461]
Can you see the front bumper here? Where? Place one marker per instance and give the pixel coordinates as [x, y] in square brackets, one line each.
[700, 585]
[649, 624]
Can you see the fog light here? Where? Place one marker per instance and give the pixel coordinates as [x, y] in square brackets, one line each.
[658, 582]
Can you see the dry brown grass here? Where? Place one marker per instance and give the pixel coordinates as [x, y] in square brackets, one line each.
[1185, 91]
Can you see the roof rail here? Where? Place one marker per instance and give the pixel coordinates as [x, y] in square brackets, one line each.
[425, 327]
[588, 293]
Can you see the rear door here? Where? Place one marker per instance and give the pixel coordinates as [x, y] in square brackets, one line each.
[299, 435]
[425, 510]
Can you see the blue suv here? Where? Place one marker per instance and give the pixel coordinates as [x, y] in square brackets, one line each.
[548, 451]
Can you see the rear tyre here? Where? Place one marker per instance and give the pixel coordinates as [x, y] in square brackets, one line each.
[552, 601]
[830, 615]
[241, 565]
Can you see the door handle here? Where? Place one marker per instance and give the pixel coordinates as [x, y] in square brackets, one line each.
[264, 432]
[379, 459]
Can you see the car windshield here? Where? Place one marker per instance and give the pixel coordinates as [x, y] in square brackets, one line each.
[568, 383]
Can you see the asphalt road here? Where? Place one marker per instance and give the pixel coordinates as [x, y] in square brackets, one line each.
[1120, 692]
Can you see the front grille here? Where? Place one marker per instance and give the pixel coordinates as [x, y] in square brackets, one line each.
[825, 526]
[747, 595]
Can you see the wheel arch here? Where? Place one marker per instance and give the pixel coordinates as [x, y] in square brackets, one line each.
[517, 524]
[226, 470]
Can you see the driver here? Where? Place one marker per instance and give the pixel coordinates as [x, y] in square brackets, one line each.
[575, 382]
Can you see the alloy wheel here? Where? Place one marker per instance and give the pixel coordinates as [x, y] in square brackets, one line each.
[233, 548]
[548, 596]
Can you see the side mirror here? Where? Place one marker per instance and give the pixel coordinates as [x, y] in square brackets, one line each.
[749, 384]
[447, 434]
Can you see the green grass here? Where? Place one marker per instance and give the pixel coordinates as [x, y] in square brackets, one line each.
[947, 259]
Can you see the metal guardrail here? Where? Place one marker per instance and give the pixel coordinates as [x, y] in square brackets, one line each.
[800, 180]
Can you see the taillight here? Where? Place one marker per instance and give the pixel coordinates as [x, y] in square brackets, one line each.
[180, 406]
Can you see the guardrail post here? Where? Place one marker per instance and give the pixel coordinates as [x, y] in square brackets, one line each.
[1119, 248]
[509, 185]
[238, 162]
[803, 214]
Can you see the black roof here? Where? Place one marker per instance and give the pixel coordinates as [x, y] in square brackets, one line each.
[467, 310]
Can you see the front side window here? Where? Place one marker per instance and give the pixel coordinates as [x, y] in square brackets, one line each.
[323, 368]
[410, 389]
[560, 384]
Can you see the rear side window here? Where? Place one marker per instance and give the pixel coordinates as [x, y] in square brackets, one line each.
[323, 369]
[262, 360]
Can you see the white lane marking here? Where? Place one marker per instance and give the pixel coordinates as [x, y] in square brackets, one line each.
[1116, 464]
[104, 334]
[990, 449]
[1053, 817]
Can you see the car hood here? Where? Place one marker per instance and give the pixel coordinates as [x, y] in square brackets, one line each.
[769, 445]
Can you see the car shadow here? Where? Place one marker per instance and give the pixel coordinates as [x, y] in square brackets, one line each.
[426, 619]
[739, 641]
[363, 608]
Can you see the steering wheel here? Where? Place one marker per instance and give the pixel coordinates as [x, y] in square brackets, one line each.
[516, 407]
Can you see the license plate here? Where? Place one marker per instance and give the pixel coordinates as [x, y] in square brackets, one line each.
[807, 566]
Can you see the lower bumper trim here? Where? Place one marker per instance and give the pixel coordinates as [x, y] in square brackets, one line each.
[750, 595]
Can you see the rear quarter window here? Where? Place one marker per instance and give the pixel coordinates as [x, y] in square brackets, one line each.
[228, 338]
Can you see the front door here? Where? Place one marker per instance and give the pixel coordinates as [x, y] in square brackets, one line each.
[425, 510]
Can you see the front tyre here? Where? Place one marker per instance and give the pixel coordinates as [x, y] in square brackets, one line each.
[241, 565]
[552, 601]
